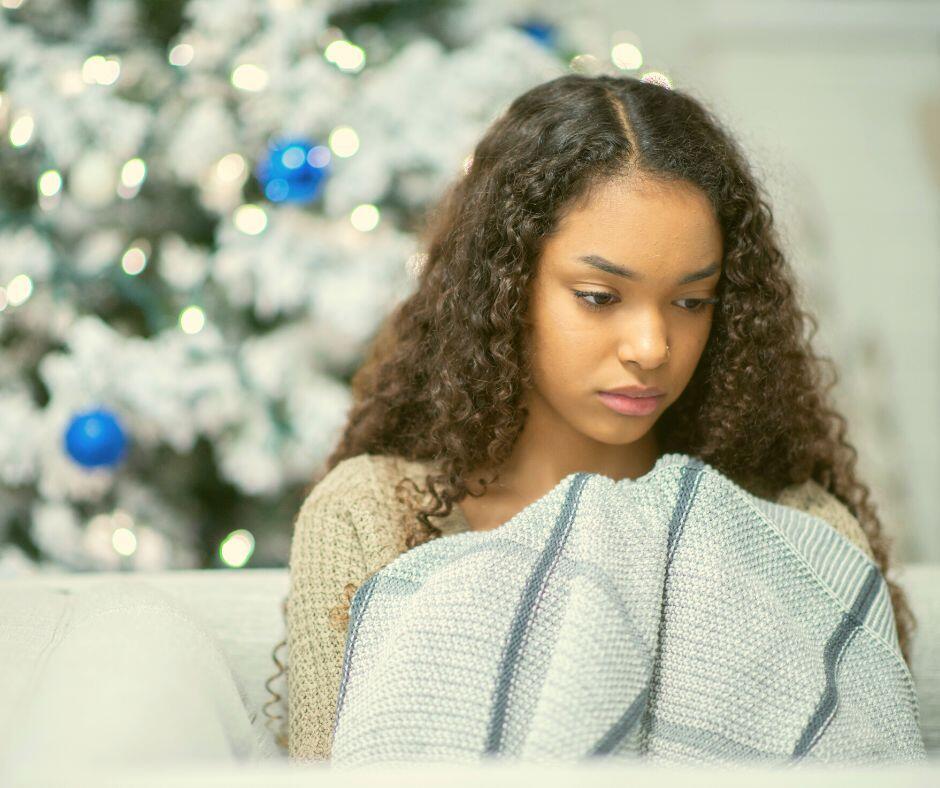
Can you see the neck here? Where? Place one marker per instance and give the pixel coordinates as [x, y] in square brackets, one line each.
[542, 458]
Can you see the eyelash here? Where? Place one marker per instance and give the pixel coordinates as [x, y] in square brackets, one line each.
[700, 306]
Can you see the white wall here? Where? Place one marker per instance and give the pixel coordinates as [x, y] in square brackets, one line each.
[838, 104]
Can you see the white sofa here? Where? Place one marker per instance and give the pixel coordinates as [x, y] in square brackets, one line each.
[111, 705]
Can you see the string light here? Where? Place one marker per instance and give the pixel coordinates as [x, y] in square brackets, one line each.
[626, 51]
[49, 186]
[181, 55]
[19, 289]
[584, 64]
[250, 219]
[626, 56]
[250, 77]
[345, 55]
[220, 185]
[318, 156]
[124, 541]
[231, 168]
[133, 172]
[134, 260]
[100, 70]
[131, 178]
[364, 217]
[111, 532]
[21, 130]
[192, 320]
[237, 548]
[49, 183]
[344, 141]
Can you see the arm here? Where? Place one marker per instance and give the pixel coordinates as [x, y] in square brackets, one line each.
[326, 554]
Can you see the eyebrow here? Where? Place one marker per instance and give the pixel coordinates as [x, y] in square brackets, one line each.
[603, 264]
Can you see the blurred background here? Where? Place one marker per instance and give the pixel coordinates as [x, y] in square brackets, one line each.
[208, 206]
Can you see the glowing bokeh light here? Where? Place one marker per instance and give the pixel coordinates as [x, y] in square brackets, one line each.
[364, 217]
[19, 289]
[124, 541]
[626, 56]
[134, 260]
[133, 172]
[181, 55]
[21, 130]
[345, 55]
[237, 548]
[192, 320]
[231, 167]
[250, 219]
[100, 70]
[250, 77]
[50, 182]
[344, 141]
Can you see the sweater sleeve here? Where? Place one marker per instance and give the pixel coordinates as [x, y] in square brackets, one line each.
[326, 553]
[813, 498]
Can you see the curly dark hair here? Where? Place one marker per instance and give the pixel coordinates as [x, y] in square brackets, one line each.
[444, 378]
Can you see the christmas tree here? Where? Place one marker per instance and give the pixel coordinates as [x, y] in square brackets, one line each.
[206, 210]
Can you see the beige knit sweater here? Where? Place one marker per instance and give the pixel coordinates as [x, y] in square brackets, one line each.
[351, 525]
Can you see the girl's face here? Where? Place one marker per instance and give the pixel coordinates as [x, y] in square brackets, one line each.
[645, 258]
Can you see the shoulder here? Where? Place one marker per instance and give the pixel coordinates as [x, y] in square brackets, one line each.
[347, 474]
[366, 476]
[353, 483]
[355, 503]
[812, 498]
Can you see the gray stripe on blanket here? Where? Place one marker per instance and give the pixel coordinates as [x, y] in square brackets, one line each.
[526, 609]
[691, 473]
[357, 610]
[835, 648]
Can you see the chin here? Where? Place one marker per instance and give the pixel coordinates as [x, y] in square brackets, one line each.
[623, 436]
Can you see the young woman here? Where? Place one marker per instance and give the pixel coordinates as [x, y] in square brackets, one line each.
[608, 235]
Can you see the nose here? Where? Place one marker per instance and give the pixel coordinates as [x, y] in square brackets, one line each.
[644, 343]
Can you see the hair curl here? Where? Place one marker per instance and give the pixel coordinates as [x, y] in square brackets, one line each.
[444, 378]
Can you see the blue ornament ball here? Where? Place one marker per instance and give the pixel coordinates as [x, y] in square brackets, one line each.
[95, 438]
[544, 33]
[293, 170]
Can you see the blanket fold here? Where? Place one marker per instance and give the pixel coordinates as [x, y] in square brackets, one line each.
[673, 618]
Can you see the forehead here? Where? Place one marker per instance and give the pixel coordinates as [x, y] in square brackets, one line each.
[641, 224]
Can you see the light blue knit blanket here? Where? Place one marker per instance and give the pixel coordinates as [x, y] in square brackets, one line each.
[674, 618]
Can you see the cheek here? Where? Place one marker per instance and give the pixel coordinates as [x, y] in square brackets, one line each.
[564, 349]
[693, 345]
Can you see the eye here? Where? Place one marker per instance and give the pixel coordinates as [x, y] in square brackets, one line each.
[698, 304]
[583, 295]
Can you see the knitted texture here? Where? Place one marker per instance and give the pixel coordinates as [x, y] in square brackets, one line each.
[350, 525]
[674, 618]
[810, 497]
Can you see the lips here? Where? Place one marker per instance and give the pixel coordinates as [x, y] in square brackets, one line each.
[631, 405]
[635, 391]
